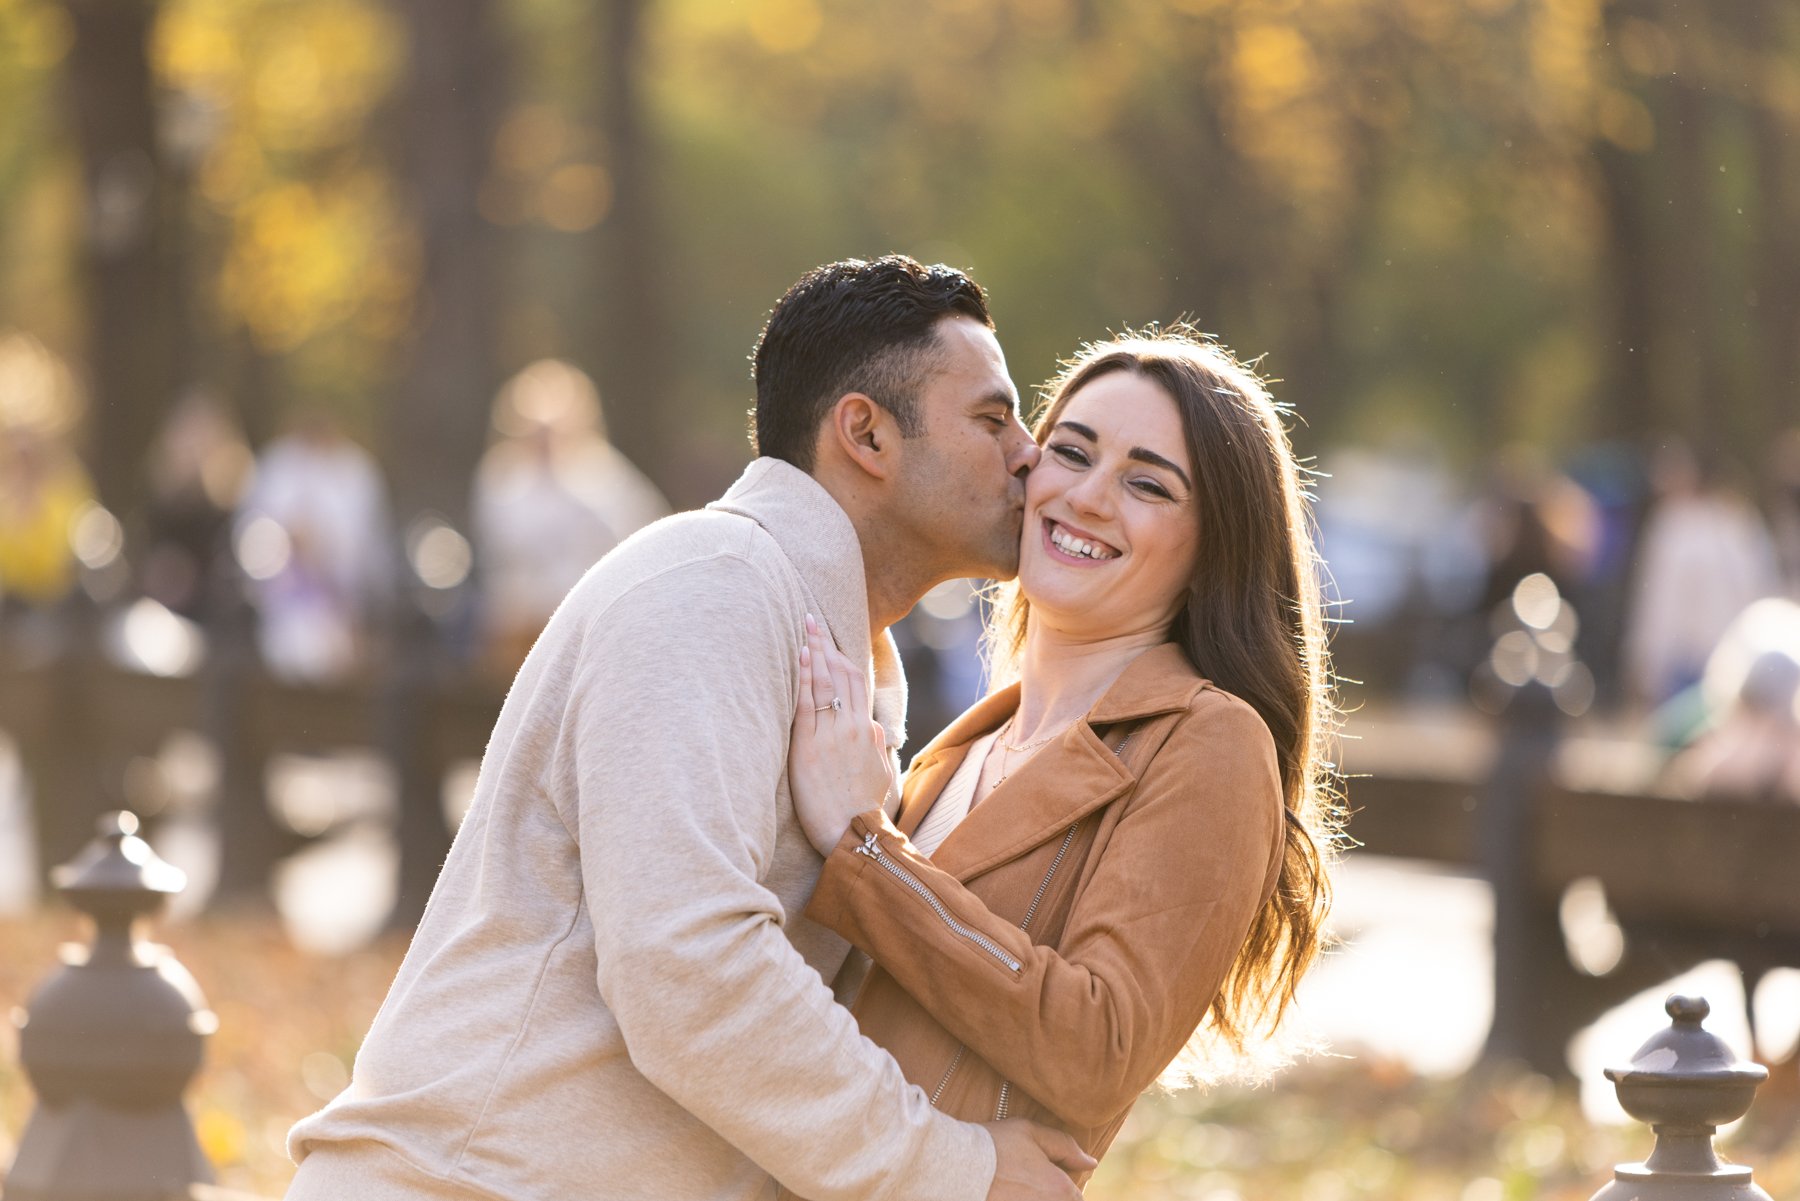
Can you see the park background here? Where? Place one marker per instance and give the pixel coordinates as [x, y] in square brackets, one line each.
[1500, 256]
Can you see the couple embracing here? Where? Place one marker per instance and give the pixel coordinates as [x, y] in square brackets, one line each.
[689, 826]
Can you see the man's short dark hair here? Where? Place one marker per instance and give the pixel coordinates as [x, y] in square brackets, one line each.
[859, 325]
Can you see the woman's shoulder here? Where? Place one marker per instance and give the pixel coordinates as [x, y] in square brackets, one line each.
[1224, 733]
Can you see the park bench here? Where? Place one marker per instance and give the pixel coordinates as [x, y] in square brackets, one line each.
[80, 721]
[1684, 880]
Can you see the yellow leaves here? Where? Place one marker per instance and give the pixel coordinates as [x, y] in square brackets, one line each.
[313, 240]
[34, 36]
[305, 257]
[1282, 116]
[197, 47]
[221, 1137]
[1564, 36]
[301, 76]
[785, 26]
[1272, 65]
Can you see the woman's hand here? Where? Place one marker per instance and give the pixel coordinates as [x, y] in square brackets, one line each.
[838, 764]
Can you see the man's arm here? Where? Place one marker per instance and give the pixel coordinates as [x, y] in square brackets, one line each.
[678, 741]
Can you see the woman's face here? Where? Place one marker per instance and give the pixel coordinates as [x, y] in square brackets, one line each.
[1110, 526]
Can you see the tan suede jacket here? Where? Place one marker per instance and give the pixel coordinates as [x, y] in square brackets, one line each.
[1069, 936]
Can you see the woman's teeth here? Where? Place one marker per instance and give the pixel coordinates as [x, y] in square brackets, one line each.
[1069, 544]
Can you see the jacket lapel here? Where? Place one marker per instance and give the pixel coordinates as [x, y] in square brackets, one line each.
[1060, 785]
[1064, 782]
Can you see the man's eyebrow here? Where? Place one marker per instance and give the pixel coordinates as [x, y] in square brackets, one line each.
[999, 396]
[1139, 453]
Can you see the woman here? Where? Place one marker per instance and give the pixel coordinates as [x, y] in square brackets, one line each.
[1121, 856]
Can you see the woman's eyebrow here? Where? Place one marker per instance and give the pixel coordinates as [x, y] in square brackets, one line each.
[1156, 460]
[1139, 453]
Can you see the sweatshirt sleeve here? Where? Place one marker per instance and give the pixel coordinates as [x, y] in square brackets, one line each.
[1085, 1026]
[678, 733]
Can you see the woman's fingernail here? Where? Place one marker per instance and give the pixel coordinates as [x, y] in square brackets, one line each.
[812, 626]
[805, 657]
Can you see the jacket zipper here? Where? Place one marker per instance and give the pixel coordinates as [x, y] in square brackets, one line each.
[1043, 887]
[872, 849]
[948, 1072]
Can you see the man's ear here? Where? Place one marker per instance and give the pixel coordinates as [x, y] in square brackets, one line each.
[864, 433]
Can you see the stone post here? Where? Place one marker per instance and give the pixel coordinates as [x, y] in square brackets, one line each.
[110, 1042]
[1686, 1083]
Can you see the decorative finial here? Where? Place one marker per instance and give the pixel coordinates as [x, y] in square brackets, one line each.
[1687, 1011]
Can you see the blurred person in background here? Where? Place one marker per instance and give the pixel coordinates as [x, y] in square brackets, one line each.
[550, 497]
[1704, 556]
[1740, 735]
[1117, 861]
[199, 468]
[1751, 750]
[1536, 520]
[315, 536]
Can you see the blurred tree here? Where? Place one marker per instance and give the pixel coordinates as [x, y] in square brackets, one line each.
[631, 338]
[437, 418]
[133, 299]
[449, 113]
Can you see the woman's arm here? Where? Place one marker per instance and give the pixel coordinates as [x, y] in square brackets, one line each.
[1087, 1026]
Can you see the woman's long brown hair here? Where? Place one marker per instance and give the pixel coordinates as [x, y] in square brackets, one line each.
[1253, 624]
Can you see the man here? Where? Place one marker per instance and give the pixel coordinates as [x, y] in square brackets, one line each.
[612, 993]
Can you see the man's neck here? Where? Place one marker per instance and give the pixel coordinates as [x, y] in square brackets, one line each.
[895, 583]
[890, 569]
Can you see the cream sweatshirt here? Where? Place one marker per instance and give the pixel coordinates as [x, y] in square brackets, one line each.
[613, 993]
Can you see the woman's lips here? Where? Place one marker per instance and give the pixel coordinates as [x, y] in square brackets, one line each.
[1050, 526]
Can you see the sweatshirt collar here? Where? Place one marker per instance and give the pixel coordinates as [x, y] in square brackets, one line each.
[817, 537]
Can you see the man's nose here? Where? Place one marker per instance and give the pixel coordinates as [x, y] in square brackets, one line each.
[1024, 452]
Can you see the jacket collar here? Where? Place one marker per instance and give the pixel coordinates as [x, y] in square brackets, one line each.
[816, 535]
[1063, 782]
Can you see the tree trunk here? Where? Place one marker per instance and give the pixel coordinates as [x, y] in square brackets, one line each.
[631, 357]
[1627, 286]
[437, 424]
[133, 331]
[1773, 276]
[1627, 289]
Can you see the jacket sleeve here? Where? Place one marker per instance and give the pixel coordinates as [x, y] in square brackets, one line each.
[1086, 1026]
[677, 739]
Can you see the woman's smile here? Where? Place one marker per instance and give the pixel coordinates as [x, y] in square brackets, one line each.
[1067, 544]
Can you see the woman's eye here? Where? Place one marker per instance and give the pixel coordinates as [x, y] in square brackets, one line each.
[1152, 488]
[1069, 454]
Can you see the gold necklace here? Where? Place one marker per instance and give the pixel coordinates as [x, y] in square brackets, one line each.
[1007, 747]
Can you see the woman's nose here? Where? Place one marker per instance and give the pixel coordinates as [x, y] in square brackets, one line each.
[1092, 493]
